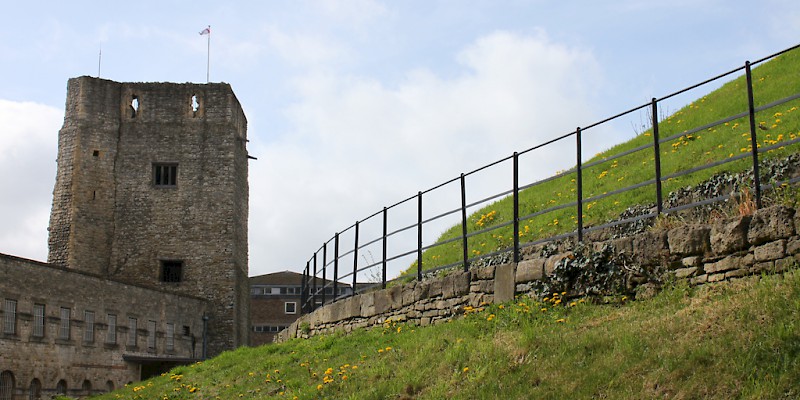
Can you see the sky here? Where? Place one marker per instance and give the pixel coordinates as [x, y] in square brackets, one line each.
[355, 105]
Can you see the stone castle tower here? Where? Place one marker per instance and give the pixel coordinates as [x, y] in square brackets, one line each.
[152, 189]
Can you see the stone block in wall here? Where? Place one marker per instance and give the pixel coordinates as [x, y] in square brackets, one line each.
[793, 245]
[530, 270]
[421, 291]
[552, 261]
[725, 264]
[772, 223]
[693, 261]
[770, 251]
[435, 287]
[352, 307]
[737, 273]
[716, 277]
[700, 279]
[730, 235]
[623, 246]
[504, 283]
[765, 267]
[649, 247]
[483, 273]
[784, 264]
[382, 301]
[395, 296]
[408, 293]
[686, 272]
[367, 304]
[688, 240]
[456, 284]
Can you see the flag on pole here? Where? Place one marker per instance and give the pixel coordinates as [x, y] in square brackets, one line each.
[206, 31]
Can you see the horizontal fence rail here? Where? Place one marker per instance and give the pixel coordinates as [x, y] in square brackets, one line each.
[325, 274]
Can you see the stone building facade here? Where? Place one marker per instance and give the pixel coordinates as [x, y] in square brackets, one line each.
[150, 207]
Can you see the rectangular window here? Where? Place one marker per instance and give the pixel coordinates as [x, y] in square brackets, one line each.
[111, 334]
[170, 339]
[63, 329]
[151, 335]
[38, 320]
[275, 290]
[171, 271]
[10, 317]
[290, 307]
[88, 326]
[165, 174]
[132, 332]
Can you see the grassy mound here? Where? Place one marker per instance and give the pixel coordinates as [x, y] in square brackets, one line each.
[732, 340]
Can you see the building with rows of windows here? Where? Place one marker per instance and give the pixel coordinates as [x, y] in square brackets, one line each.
[275, 302]
[147, 263]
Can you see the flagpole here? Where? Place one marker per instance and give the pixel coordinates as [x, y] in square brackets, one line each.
[208, 55]
[99, 58]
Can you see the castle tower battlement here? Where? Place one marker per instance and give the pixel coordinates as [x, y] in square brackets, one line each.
[152, 189]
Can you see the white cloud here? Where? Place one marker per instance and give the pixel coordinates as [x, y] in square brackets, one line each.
[27, 157]
[356, 145]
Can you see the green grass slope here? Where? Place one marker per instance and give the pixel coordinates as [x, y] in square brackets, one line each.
[735, 340]
[774, 80]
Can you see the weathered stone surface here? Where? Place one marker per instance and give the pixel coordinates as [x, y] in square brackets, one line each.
[770, 251]
[716, 277]
[649, 247]
[730, 235]
[793, 245]
[726, 264]
[367, 304]
[737, 273]
[435, 287]
[700, 279]
[763, 267]
[773, 223]
[456, 284]
[484, 272]
[552, 261]
[623, 245]
[688, 240]
[530, 270]
[382, 301]
[693, 261]
[504, 283]
[686, 272]
[785, 264]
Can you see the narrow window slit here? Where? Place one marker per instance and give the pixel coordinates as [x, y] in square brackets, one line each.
[134, 106]
[195, 105]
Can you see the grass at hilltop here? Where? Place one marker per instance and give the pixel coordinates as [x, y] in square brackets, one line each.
[735, 340]
[772, 81]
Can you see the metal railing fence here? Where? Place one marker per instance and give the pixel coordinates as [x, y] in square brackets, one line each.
[324, 271]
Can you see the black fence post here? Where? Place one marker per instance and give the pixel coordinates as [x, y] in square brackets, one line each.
[383, 261]
[335, 266]
[579, 183]
[516, 207]
[303, 289]
[419, 236]
[355, 259]
[657, 150]
[464, 222]
[324, 271]
[314, 285]
[753, 139]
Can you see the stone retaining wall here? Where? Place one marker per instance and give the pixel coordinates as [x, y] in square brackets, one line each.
[764, 242]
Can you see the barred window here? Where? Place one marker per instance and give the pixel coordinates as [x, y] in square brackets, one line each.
[35, 391]
[151, 335]
[88, 326]
[171, 271]
[132, 332]
[63, 330]
[10, 316]
[111, 334]
[170, 339]
[6, 385]
[38, 320]
[165, 174]
[290, 307]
